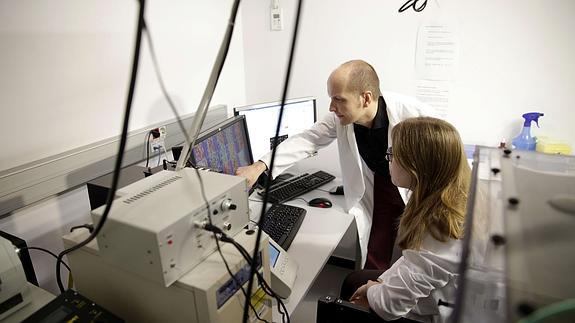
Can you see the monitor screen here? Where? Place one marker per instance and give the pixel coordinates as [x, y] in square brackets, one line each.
[274, 255]
[224, 147]
[299, 114]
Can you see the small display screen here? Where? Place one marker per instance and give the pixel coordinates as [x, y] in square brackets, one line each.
[274, 255]
[229, 288]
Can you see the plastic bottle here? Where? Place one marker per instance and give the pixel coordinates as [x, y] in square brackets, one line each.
[525, 141]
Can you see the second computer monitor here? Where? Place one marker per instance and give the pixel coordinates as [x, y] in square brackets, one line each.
[299, 114]
[224, 147]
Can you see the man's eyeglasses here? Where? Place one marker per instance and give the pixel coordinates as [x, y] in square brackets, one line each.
[389, 155]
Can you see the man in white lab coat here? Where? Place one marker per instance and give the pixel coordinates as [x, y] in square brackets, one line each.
[361, 120]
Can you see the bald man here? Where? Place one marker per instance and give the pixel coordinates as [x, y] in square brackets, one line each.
[361, 120]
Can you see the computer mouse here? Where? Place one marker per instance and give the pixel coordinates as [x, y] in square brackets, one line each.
[320, 202]
[336, 190]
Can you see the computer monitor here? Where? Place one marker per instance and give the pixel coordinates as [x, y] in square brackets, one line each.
[299, 114]
[224, 147]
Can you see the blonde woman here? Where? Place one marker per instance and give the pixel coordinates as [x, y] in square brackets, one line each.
[428, 158]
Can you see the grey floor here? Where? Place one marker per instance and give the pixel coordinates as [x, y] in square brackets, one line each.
[328, 283]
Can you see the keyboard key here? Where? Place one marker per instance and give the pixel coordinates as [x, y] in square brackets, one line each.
[282, 223]
[294, 187]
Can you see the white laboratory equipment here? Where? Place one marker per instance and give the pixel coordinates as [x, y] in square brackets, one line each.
[14, 291]
[152, 230]
[206, 293]
[153, 261]
[518, 249]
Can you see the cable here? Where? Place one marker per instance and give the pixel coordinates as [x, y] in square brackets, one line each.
[159, 156]
[48, 252]
[148, 148]
[165, 151]
[200, 115]
[263, 283]
[301, 198]
[208, 93]
[122, 146]
[235, 279]
[212, 228]
[271, 166]
[551, 311]
[210, 87]
[88, 226]
[161, 81]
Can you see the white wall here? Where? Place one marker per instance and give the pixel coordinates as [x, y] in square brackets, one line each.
[65, 73]
[66, 67]
[514, 57]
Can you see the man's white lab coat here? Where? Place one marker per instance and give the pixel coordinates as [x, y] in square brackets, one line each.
[356, 176]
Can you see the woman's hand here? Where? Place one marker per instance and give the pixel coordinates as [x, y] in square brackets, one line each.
[360, 295]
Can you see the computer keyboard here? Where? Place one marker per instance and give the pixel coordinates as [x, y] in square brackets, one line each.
[282, 223]
[296, 186]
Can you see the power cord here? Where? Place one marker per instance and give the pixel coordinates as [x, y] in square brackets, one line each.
[161, 81]
[274, 149]
[212, 228]
[261, 280]
[122, 146]
[212, 83]
[48, 252]
[206, 98]
[88, 226]
[70, 278]
[159, 155]
[148, 148]
[301, 198]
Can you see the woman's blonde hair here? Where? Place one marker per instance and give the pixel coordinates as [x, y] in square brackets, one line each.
[431, 152]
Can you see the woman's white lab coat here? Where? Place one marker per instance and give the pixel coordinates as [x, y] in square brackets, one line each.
[414, 284]
[356, 176]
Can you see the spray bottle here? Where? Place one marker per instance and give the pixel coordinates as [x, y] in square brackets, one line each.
[525, 141]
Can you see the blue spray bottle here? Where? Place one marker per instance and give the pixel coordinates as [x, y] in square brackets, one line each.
[525, 141]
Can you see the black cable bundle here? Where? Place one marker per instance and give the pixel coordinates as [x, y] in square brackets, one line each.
[123, 140]
[271, 166]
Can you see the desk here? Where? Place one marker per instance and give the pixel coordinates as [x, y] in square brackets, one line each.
[317, 238]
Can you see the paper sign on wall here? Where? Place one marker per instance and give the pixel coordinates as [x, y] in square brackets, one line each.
[436, 58]
[434, 93]
[436, 52]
